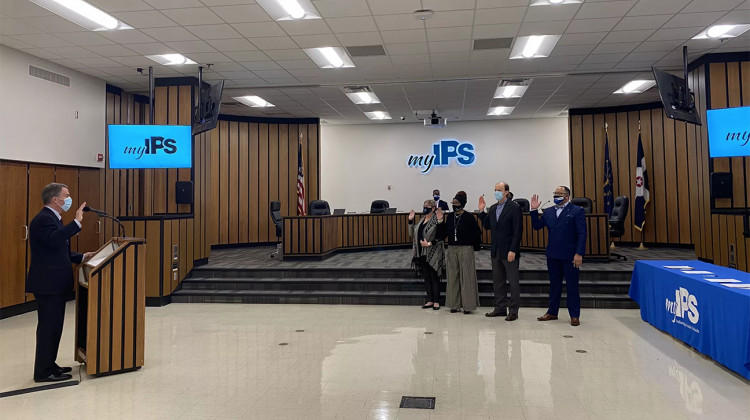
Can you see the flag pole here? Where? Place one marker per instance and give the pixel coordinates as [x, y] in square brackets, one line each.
[612, 244]
[641, 247]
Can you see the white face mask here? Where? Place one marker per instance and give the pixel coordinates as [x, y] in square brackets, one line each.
[67, 202]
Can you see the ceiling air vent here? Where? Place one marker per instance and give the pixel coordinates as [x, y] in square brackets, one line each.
[365, 51]
[49, 76]
[492, 43]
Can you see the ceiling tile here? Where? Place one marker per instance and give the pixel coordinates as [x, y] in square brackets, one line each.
[98, 62]
[559, 12]
[110, 50]
[50, 24]
[582, 49]
[398, 22]
[42, 40]
[85, 39]
[711, 6]
[261, 65]
[684, 20]
[210, 57]
[75, 52]
[450, 19]
[581, 38]
[389, 7]
[207, 32]
[449, 46]
[173, 4]
[406, 36]
[591, 25]
[242, 13]
[591, 10]
[548, 28]
[658, 46]
[259, 29]
[297, 64]
[627, 36]
[236, 44]
[315, 41]
[352, 24]
[305, 27]
[360, 38]
[175, 33]
[605, 58]
[145, 19]
[341, 8]
[645, 56]
[650, 7]
[151, 48]
[186, 47]
[130, 36]
[291, 54]
[449, 34]
[410, 59]
[503, 30]
[499, 15]
[623, 47]
[675, 34]
[112, 6]
[642, 22]
[240, 56]
[410, 48]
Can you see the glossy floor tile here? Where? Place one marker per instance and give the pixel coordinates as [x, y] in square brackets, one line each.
[356, 362]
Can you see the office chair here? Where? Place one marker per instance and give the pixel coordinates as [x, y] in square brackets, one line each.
[319, 208]
[275, 209]
[379, 206]
[617, 222]
[524, 204]
[585, 203]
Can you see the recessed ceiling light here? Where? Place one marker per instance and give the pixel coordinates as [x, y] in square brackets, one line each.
[511, 88]
[378, 115]
[636, 86]
[289, 9]
[500, 110]
[83, 14]
[553, 2]
[330, 57]
[171, 59]
[534, 46]
[253, 101]
[361, 95]
[722, 31]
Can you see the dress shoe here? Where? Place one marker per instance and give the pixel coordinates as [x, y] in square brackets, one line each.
[547, 317]
[453, 311]
[55, 377]
[427, 306]
[511, 317]
[495, 313]
[435, 308]
[66, 369]
[575, 322]
[467, 312]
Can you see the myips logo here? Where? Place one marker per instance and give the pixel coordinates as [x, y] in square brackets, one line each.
[441, 155]
[152, 146]
[684, 303]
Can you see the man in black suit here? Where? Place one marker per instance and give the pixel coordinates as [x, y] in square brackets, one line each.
[50, 276]
[504, 221]
[440, 203]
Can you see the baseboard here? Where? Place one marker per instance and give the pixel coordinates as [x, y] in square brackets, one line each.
[158, 301]
[26, 307]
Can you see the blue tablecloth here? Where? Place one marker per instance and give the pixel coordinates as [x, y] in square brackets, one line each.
[712, 318]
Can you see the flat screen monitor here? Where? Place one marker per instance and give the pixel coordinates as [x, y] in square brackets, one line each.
[150, 146]
[209, 110]
[678, 103]
[728, 132]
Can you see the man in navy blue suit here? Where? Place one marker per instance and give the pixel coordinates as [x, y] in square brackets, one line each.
[50, 276]
[566, 224]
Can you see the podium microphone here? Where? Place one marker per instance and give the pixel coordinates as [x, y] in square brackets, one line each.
[101, 213]
[540, 207]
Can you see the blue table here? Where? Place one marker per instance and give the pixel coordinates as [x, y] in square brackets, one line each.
[710, 317]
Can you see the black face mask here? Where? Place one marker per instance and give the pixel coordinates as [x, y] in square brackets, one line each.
[457, 208]
[426, 210]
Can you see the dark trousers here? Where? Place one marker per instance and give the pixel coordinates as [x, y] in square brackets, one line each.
[559, 269]
[51, 315]
[431, 280]
[505, 273]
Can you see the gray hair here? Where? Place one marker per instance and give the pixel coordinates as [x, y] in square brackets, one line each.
[52, 190]
[430, 203]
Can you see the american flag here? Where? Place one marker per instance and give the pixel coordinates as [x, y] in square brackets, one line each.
[301, 208]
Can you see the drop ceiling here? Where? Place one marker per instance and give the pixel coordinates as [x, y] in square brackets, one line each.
[427, 65]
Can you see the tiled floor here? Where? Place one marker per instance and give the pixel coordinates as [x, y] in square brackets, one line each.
[258, 257]
[356, 362]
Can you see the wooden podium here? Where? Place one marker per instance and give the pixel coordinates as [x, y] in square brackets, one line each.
[110, 308]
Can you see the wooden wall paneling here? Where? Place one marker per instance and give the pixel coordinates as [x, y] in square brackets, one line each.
[724, 239]
[38, 177]
[223, 182]
[624, 181]
[284, 179]
[107, 188]
[576, 150]
[658, 183]
[198, 189]
[313, 147]
[718, 100]
[190, 238]
[303, 138]
[185, 95]
[172, 119]
[105, 286]
[116, 191]
[670, 175]
[264, 222]
[88, 189]
[116, 314]
[649, 232]
[293, 150]
[183, 241]
[170, 235]
[273, 173]
[69, 177]
[682, 183]
[233, 181]
[589, 160]
[213, 178]
[13, 245]
[745, 100]
[129, 290]
[734, 100]
[244, 189]
[161, 103]
[742, 251]
[708, 224]
[599, 162]
[633, 131]
[153, 244]
[256, 207]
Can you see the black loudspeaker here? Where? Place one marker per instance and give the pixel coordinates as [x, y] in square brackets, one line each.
[184, 192]
[721, 185]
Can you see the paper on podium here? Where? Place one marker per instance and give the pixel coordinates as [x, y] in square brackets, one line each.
[102, 254]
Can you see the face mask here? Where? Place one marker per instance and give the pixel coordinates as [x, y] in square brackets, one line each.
[67, 203]
[498, 195]
[559, 200]
[426, 210]
[436, 197]
[457, 208]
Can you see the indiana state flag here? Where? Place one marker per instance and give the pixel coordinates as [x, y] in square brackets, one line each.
[609, 199]
[642, 196]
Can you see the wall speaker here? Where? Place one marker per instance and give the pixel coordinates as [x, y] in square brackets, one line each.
[184, 192]
[721, 185]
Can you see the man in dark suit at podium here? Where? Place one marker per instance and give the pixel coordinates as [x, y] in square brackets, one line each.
[50, 276]
[566, 224]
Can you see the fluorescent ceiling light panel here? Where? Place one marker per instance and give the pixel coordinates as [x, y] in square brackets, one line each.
[553, 2]
[378, 115]
[171, 59]
[511, 89]
[636, 86]
[361, 95]
[722, 31]
[330, 57]
[289, 9]
[534, 46]
[253, 101]
[83, 14]
[500, 110]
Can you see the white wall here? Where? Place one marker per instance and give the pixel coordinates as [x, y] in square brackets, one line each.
[38, 117]
[358, 162]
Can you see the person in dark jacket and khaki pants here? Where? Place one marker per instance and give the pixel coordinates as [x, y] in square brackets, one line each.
[50, 276]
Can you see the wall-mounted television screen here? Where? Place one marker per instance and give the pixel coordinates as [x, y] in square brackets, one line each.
[150, 146]
[728, 132]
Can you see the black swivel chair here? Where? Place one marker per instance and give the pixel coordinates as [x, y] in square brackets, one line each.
[617, 222]
[524, 203]
[275, 209]
[583, 202]
[319, 208]
[379, 206]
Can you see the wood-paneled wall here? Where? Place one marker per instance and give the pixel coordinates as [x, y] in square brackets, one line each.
[252, 164]
[679, 167]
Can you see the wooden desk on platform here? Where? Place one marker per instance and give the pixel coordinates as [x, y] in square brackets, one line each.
[320, 236]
